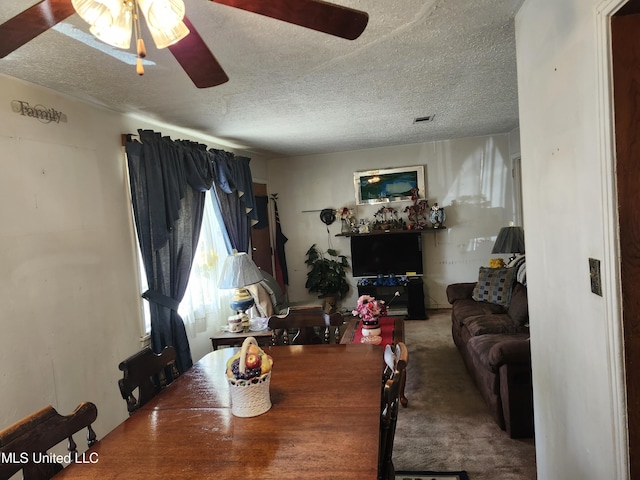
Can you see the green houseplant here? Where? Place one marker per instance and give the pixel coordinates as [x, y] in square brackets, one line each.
[326, 276]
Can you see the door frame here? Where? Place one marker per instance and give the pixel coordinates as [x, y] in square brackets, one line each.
[611, 271]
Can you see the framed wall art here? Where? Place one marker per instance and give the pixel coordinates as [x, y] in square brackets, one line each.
[388, 184]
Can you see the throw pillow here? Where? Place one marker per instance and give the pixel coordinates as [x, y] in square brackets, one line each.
[494, 285]
[520, 266]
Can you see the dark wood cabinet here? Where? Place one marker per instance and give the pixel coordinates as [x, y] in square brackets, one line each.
[409, 304]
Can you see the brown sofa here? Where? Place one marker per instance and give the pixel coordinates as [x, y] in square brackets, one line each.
[493, 340]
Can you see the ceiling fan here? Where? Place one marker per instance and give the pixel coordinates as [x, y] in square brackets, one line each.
[191, 52]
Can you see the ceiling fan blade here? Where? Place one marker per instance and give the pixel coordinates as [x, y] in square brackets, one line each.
[315, 14]
[197, 60]
[32, 22]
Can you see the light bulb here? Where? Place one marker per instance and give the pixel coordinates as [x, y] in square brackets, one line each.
[118, 32]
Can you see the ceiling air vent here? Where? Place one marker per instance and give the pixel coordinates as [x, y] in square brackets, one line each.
[428, 118]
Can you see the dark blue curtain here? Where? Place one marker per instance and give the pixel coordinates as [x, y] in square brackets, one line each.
[233, 194]
[169, 180]
[168, 184]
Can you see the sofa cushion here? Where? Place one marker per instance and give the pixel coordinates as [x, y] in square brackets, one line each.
[520, 265]
[485, 324]
[468, 307]
[519, 306]
[494, 285]
[492, 351]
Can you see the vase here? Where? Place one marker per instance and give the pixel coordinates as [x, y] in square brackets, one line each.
[371, 327]
[346, 226]
[437, 217]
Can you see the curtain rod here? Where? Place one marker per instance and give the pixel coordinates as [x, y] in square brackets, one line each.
[127, 137]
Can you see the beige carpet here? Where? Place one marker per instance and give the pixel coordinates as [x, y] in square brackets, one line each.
[447, 426]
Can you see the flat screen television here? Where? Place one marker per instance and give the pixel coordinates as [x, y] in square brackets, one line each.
[391, 253]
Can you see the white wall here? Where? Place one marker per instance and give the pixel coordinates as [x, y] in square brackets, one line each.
[470, 178]
[69, 280]
[69, 288]
[569, 217]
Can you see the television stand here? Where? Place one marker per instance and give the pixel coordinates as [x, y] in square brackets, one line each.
[409, 304]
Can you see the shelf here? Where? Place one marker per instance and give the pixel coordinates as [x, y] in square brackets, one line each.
[390, 232]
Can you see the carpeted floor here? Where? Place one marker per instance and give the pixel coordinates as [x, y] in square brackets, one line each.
[447, 426]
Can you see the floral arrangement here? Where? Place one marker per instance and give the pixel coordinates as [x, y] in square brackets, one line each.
[417, 213]
[369, 309]
[387, 219]
[344, 213]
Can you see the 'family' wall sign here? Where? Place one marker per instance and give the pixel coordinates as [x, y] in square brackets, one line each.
[43, 114]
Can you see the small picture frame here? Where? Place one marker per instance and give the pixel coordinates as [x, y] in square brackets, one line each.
[388, 184]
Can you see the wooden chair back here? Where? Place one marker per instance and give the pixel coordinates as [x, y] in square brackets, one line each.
[396, 358]
[308, 325]
[148, 373]
[388, 420]
[24, 445]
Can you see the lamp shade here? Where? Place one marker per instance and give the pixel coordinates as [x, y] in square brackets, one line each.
[510, 240]
[98, 11]
[239, 271]
[116, 32]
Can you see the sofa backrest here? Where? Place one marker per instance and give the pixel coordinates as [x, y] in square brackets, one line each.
[519, 307]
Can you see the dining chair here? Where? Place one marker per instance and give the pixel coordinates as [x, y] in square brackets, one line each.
[396, 358]
[389, 412]
[308, 325]
[148, 373]
[24, 445]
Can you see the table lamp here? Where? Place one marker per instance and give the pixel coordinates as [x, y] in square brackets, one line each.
[239, 271]
[510, 240]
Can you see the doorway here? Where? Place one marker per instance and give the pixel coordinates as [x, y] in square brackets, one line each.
[625, 42]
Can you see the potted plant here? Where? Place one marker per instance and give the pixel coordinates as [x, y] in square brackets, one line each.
[326, 276]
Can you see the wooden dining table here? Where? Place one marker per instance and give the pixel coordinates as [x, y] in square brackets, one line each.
[323, 423]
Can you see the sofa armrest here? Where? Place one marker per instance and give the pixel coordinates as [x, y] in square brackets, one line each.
[510, 351]
[516, 395]
[459, 291]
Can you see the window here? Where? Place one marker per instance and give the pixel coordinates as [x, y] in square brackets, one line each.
[144, 286]
[204, 305]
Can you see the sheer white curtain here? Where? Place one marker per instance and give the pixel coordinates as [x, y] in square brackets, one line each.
[205, 307]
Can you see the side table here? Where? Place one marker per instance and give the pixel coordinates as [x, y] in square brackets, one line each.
[235, 339]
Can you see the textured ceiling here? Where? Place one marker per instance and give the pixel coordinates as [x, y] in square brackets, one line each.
[294, 91]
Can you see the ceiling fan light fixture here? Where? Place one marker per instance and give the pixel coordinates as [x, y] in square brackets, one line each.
[118, 32]
[97, 11]
[111, 21]
[165, 20]
[166, 37]
[161, 14]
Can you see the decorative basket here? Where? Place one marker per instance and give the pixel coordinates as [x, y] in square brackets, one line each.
[249, 398]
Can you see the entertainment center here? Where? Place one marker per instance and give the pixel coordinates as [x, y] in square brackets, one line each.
[387, 262]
